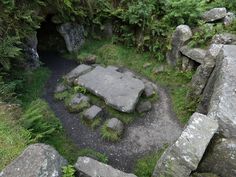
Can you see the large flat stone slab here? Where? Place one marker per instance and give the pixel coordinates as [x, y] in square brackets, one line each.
[184, 155]
[37, 160]
[223, 101]
[117, 89]
[92, 168]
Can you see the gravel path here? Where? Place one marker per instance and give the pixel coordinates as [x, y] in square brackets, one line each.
[143, 136]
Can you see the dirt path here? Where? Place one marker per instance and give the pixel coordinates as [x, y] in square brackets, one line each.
[143, 136]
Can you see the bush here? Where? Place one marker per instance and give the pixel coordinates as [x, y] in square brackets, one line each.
[68, 171]
[40, 120]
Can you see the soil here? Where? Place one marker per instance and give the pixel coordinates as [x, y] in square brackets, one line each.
[145, 135]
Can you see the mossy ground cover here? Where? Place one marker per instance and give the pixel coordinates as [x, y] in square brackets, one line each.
[172, 78]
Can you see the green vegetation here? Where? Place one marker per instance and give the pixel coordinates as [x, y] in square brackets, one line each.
[92, 123]
[108, 134]
[13, 138]
[68, 171]
[40, 121]
[144, 166]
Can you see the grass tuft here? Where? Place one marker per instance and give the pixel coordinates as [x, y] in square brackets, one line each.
[108, 134]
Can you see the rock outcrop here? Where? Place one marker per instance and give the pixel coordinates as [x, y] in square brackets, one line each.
[87, 167]
[37, 160]
[184, 155]
[215, 14]
[221, 158]
[73, 35]
[120, 91]
[181, 35]
[195, 54]
[222, 105]
[224, 38]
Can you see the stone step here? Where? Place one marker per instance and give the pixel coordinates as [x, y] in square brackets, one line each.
[92, 168]
[183, 157]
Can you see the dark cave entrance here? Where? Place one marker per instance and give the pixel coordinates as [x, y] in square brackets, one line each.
[49, 39]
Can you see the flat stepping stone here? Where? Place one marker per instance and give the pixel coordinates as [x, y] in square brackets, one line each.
[92, 112]
[118, 90]
[79, 70]
[115, 125]
[78, 103]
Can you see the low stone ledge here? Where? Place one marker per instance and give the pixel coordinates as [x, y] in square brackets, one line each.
[88, 167]
[184, 155]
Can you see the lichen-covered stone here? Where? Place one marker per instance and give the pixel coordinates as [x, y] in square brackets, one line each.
[195, 54]
[115, 125]
[76, 72]
[215, 14]
[149, 90]
[92, 112]
[37, 160]
[181, 35]
[73, 35]
[221, 158]
[118, 90]
[222, 105]
[88, 167]
[229, 19]
[224, 38]
[78, 103]
[184, 155]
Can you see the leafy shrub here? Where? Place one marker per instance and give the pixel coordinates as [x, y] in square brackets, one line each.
[40, 120]
[68, 171]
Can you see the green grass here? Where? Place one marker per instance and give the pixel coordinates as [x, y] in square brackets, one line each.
[92, 123]
[13, 138]
[144, 166]
[108, 134]
[33, 85]
[175, 80]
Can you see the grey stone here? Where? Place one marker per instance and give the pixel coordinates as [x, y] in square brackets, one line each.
[187, 64]
[90, 60]
[203, 73]
[215, 14]
[118, 90]
[60, 88]
[88, 167]
[37, 160]
[224, 38]
[222, 105]
[92, 113]
[181, 35]
[144, 107]
[229, 19]
[149, 90]
[221, 158]
[195, 54]
[73, 35]
[115, 125]
[204, 175]
[79, 70]
[78, 103]
[184, 155]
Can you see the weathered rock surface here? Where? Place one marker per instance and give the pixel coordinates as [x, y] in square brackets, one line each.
[78, 103]
[115, 125]
[224, 38]
[149, 90]
[92, 112]
[182, 34]
[204, 71]
[229, 19]
[222, 104]
[73, 35]
[144, 107]
[215, 14]
[195, 54]
[118, 90]
[184, 155]
[221, 158]
[37, 160]
[79, 70]
[187, 64]
[88, 167]
[204, 175]
[60, 88]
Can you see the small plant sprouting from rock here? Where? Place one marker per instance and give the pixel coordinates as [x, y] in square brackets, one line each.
[80, 89]
[68, 171]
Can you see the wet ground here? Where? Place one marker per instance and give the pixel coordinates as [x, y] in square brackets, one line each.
[145, 135]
